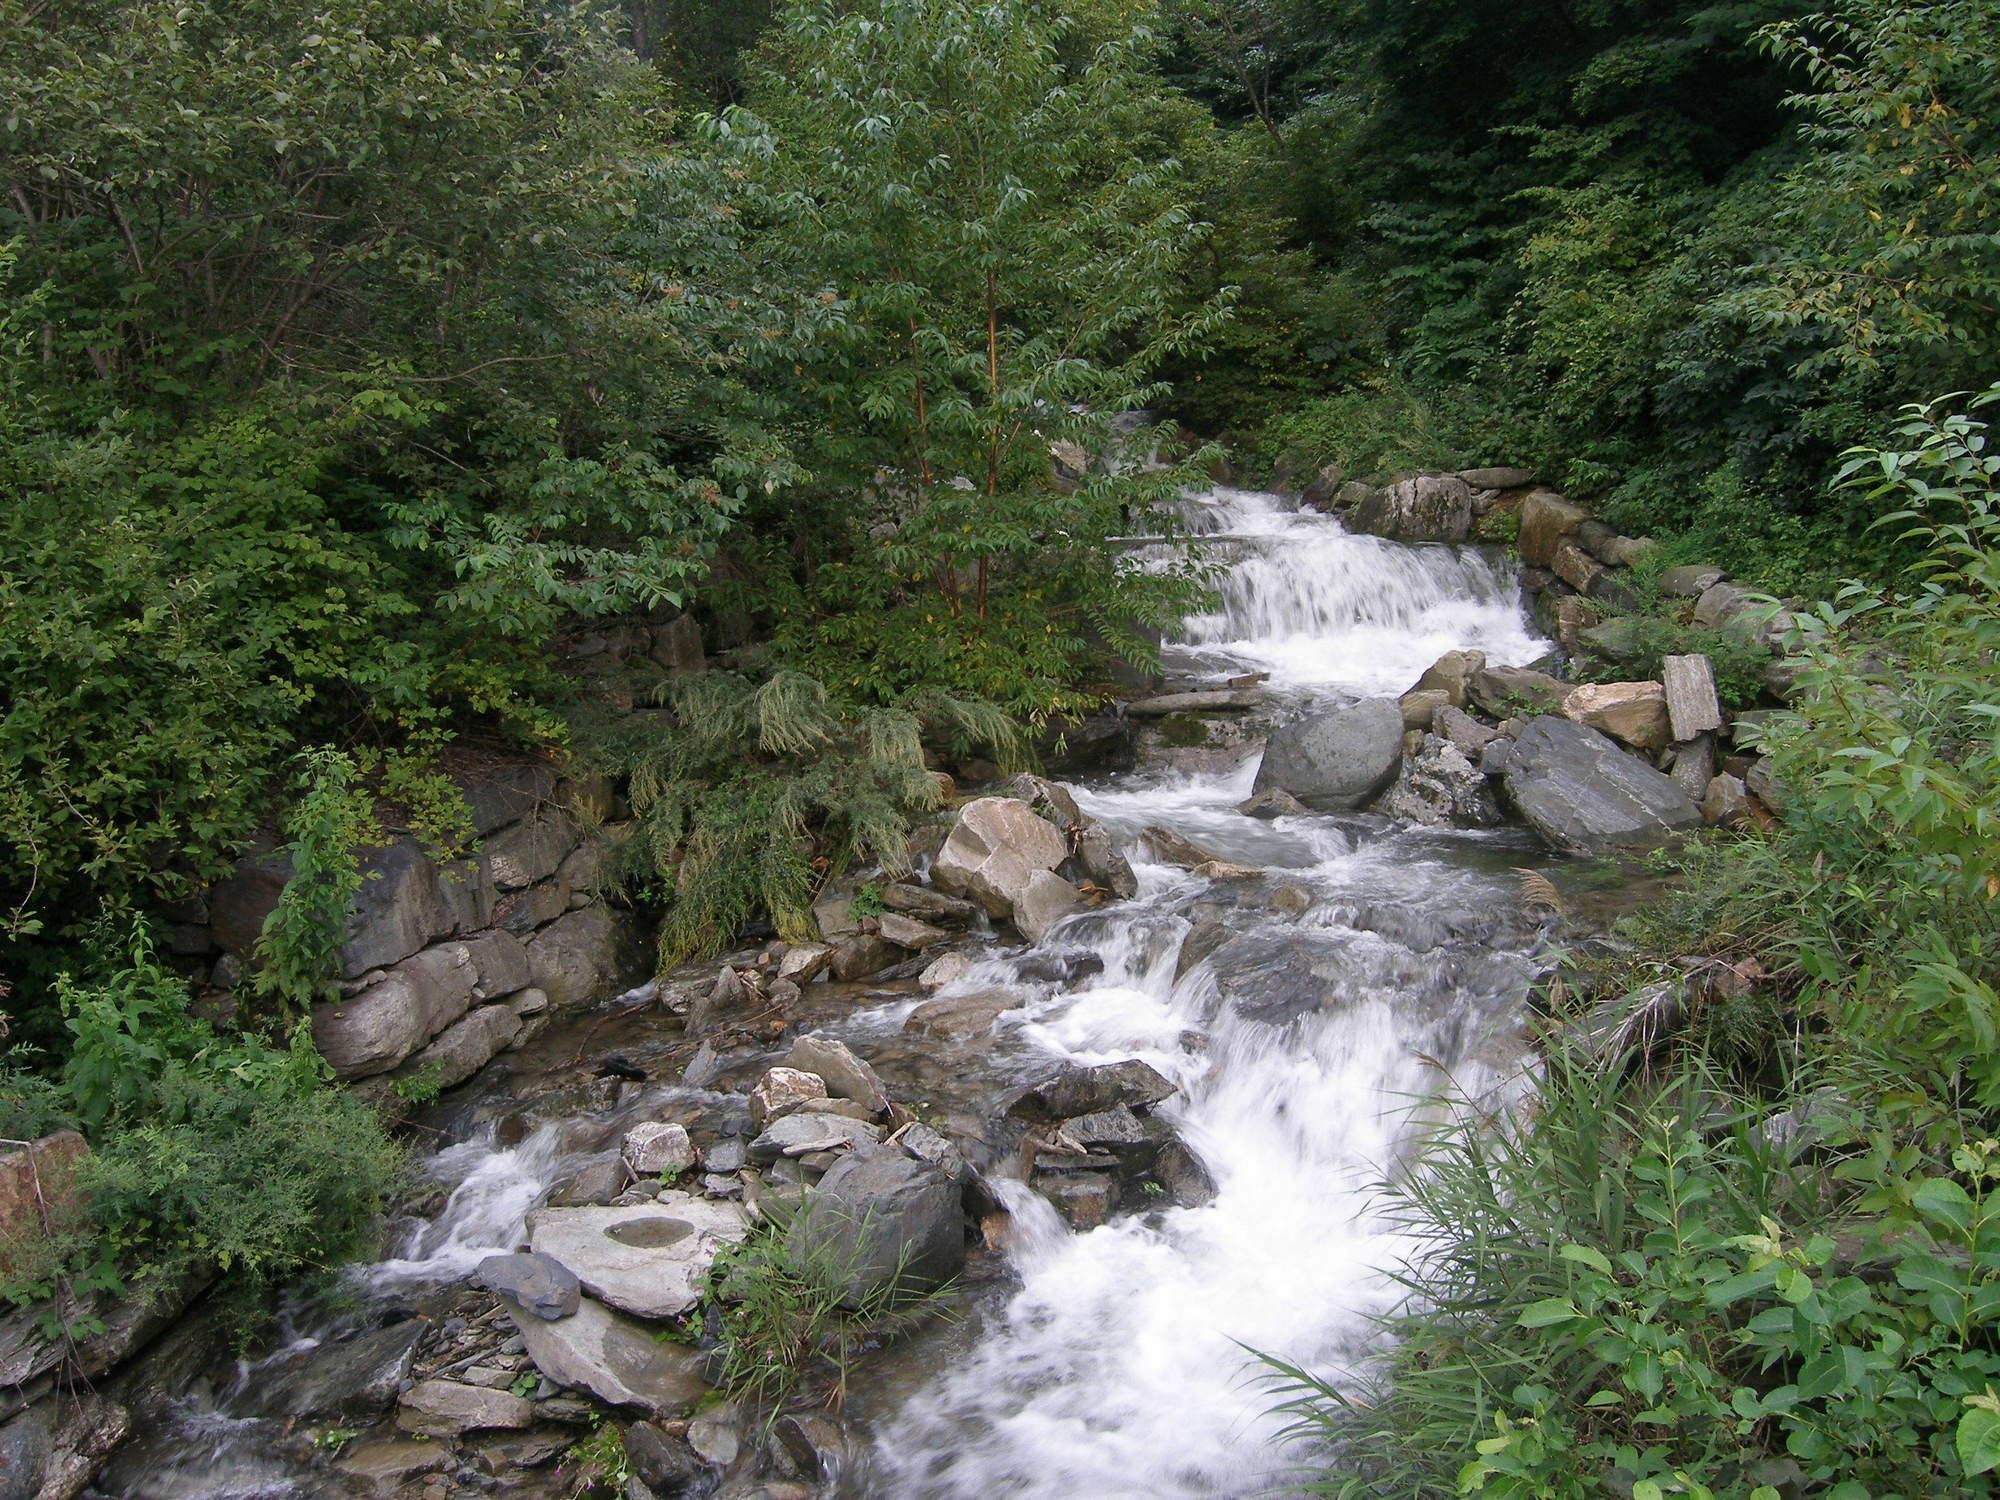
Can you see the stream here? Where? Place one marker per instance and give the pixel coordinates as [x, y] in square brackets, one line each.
[1372, 965]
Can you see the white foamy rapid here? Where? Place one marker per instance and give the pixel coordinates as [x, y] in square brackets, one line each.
[1317, 606]
[1302, 1045]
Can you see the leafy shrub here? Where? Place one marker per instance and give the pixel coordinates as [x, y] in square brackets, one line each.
[755, 792]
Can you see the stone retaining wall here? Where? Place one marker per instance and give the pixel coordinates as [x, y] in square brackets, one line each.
[448, 962]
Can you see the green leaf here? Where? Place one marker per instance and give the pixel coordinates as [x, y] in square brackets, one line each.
[1943, 1201]
[1978, 1441]
[1547, 1313]
[1584, 1255]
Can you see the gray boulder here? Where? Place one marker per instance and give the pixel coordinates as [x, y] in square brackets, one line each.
[1440, 785]
[1335, 762]
[615, 1358]
[996, 848]
[884, 1221]
[374, 1030]
[545, 1287]
[846, 1076]
[650, 1260]
[350, 1377]
[1422, 508]
[1079, 1090]
[1585, 795]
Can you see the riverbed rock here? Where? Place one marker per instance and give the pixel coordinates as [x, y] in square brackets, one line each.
[465, 1046]
[1725, 802]
[1467, 734]
[1452, 674]
[781, 1091]
[802, 1134]
[356, 1376]
[908, 932]
[1044, 901]
[996, 847]
[845, 1075]
[650, 1259]
[1690, 580]
[1335, 762]
[1634, 713]
[1440, 786]
[1585, 795]
[1420, 508]
[931, 906]
[1273, 802]
[658, 1148]
[445, 1408]
[615, 1358]
[1078, 1089]
[374, 1030]
[889, 1221]
[1692, 706]
[539, 1284]
[804, 962]
[960, 1018]
[581, 956]
[861, 955]
[944, 970]
[1099, 861]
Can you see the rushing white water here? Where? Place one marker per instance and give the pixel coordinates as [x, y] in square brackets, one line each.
[1302, 1047]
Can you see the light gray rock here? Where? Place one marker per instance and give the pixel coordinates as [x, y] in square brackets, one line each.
[996, 847]
[500, 959]
[1203, 701]
[932, 906]
[799, 1134]
[1098, 860]
[445, 1408]
[781, 1091]
[400, 907]
[650, 1259]
[535, 1283]
[845, 1075]
[1452, 674]
[529, 852]
[465, 1046]
[1690, 581]
[804, 962]
[1693, 765]
[886, 1221]
[907, 932]
[657, 1148]
[1466, 733]
[1585, 795]
[1421, 508]
[946, 969]
[374, 1030]
[1501, 478]
[1439, 786]
[1503, 692]
[581, 956]
[959, 1018]
[1087, 1090]
[1338, 761]
[1273, 803]
[1044, 901]
[615, 1358]
[862, 954]
[1741, 612]
[1692, 706]
[1725, 802]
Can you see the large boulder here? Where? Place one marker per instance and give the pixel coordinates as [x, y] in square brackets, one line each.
[996, 848]
[1088, 1090]
[845, 1075]
[1421, 508]
[1335, 762]
[1585, 795]
[1452, 673]
[583, 956]
[1511, 692]
[650, 1260]
[374, 1030]
[351, 1377]
[1441, 785]
[883, 1221]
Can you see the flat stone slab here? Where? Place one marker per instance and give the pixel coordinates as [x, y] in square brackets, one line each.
[804, 1133]
[615, 1358]
[650, 1259]
[1208, 700]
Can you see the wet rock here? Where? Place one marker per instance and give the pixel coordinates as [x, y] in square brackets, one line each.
[1504, 692]
[722, 1006]
[445, 1408]
[1098, 860]
[845, 1075]
[1467, 735]
[928, 1145]
[1634, 713]
[1047, 799]
[666, 1464]
[615, 1358]
[781, 1091]
[1725, 802]
[1420, 706]
[1210, 701]
[1584, 795]
[1177, 849]
[908, 932]
[1177, 1169]
[542, 1286]
[946, 969]
[1086, 1090]
[862, 955]
[799, 1134]
[1205, 934]
[1273, 803]
[932, 906]
[890, 1221]
[816, 1443]
[389, 1463]
[1421, 508]
[1337, 761]
[1084, 1199]
[959, 1018]
[354, 1377]
[805, 962]
[1437, 786]
[657, 1148]
[649, 1259]
[1292, 900]
[995, 849]
[1043, 902]
[596, 1183]
[716, 1437]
